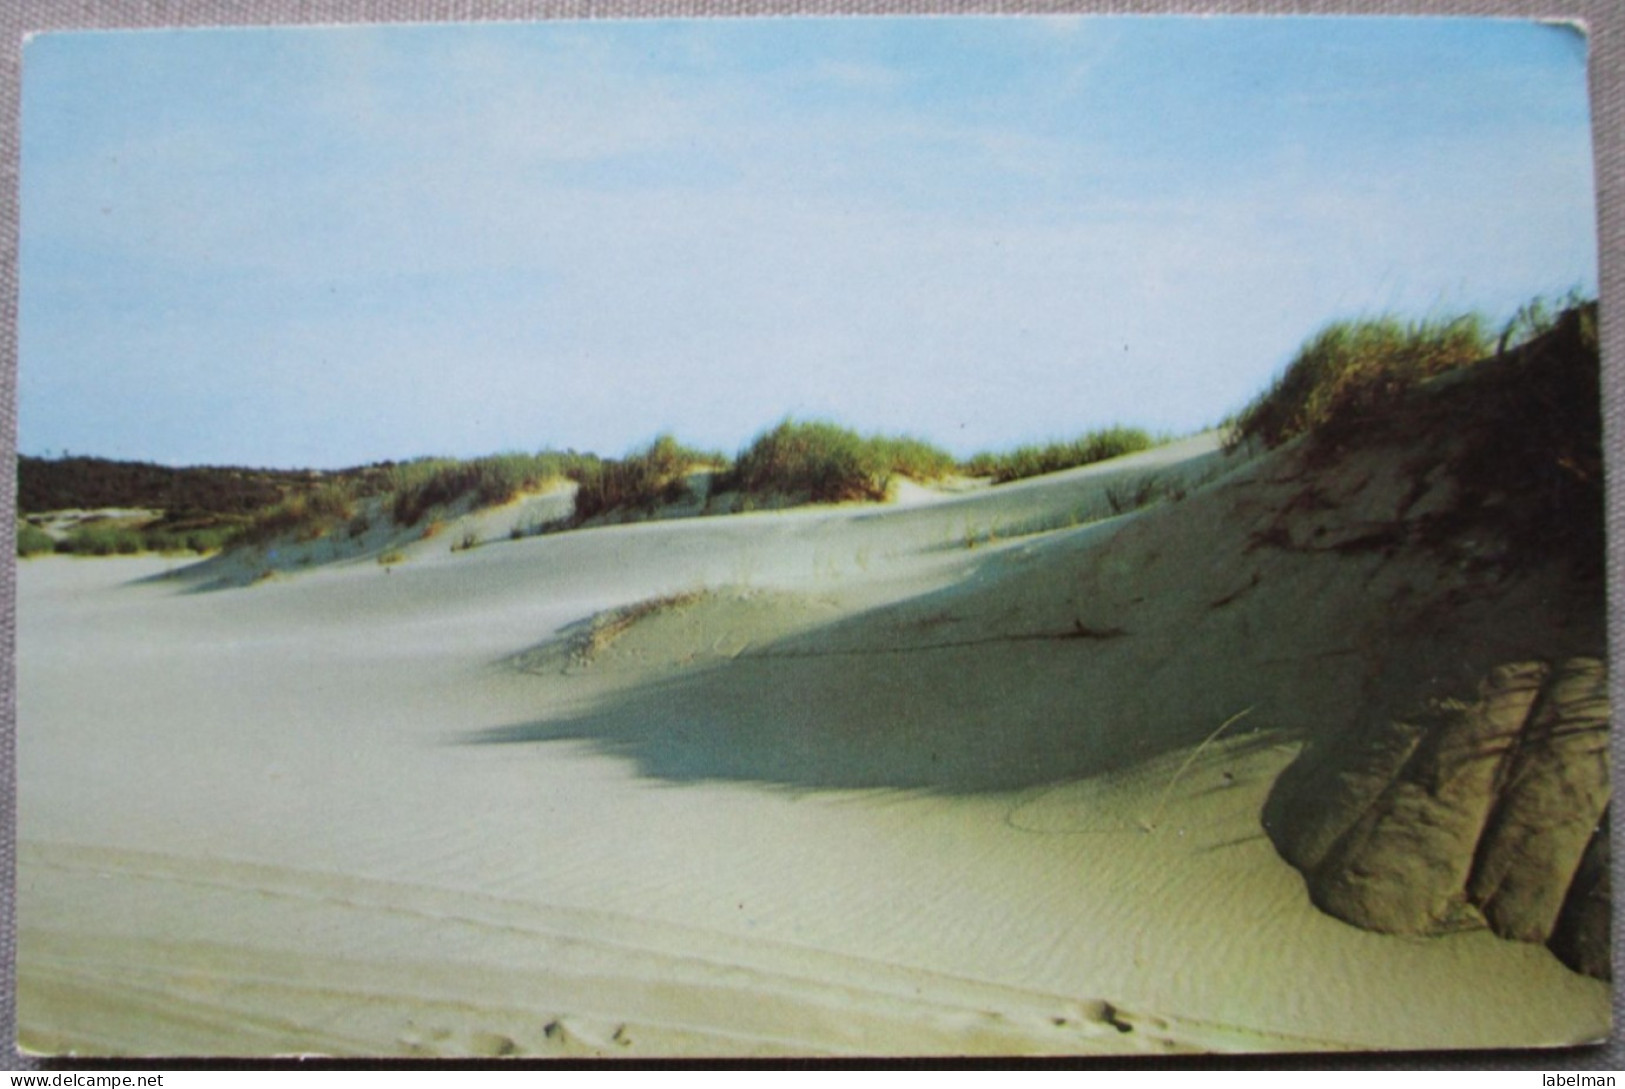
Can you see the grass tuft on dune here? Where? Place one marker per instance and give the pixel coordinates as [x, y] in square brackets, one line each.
[642, 481]
[33, 541]
[104, 535]
[309, 515]
[1029, 461]
[831, 464]
[1353, 369]
[418, 487]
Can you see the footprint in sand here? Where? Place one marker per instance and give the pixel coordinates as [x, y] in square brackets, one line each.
[417, 1040]
[1098, 1011]
[492, 1045]
[1150, 1034]
[596, 1036]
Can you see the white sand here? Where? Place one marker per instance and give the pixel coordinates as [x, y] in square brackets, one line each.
[848, 800]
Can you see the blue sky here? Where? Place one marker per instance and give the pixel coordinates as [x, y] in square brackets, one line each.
[323, 247]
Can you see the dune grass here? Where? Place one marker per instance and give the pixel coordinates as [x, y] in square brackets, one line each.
[417, 487]
[121, 537]
[1542, 316]
[307, 514]
[1352, 369]
[641, 481]
[412, 492]
[1029, 461]
[1526, 458]
[828, 463]
[33, 541]
[609, 626]
[202, 535]
[102, 539]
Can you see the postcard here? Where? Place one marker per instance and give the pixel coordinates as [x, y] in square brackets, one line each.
[811, 537]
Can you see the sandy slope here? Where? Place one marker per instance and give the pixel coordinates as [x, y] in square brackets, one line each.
[878, 781]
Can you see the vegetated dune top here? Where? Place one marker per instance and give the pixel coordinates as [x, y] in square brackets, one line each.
[1067, 498]
[851, 780]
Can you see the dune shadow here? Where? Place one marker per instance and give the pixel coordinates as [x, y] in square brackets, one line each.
[723, 728]
[1063, 658]
[203, 574]
[902, 697]
[763, 723]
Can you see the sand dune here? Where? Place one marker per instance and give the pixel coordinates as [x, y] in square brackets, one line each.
[920, 779]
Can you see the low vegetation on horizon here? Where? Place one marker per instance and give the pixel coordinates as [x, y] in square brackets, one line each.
[797, 461]
[1345, 373]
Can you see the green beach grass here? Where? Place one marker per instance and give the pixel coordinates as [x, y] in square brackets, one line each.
[641, 481]
[828, 463]
[1351, 369]
[1030, 461]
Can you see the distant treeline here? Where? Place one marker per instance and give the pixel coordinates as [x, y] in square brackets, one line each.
[87, 483]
